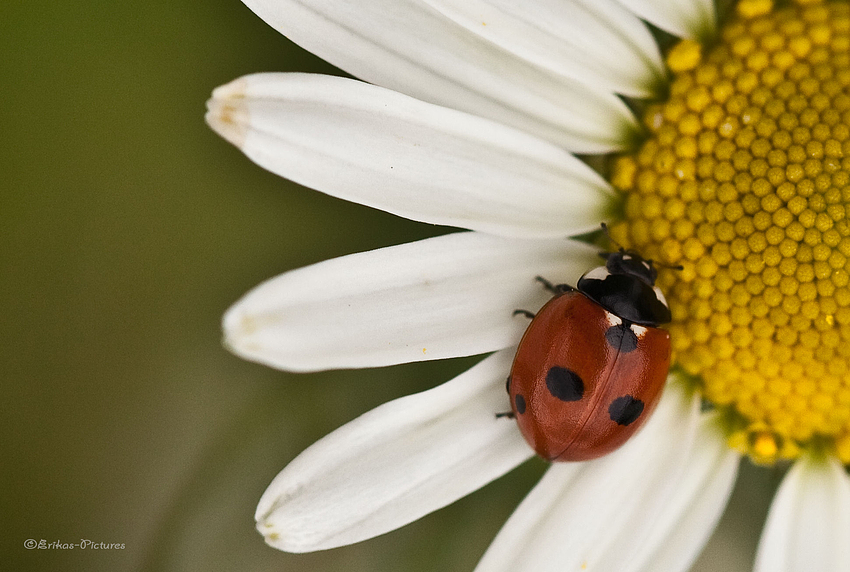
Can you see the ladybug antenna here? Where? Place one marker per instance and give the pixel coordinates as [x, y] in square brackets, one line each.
[620, 248]
[610, 239]
[669, 266]
[623, 250]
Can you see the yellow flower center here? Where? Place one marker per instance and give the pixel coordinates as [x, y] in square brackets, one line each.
[745, 183]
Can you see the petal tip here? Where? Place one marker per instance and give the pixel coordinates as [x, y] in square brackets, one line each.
[294, 540]
[238, 329]
[271, 535]
[227, 114]
[236, 89]
[246, 335]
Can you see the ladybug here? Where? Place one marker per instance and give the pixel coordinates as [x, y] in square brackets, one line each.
[591, 366]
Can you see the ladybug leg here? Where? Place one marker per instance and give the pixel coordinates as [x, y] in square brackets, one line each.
[508, 414]
[554, 288]
[525, 313]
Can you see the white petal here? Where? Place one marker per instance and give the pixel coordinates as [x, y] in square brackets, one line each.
[567, 37]
[691, 514]
[406, 46]
[395, 464]
[808, 526]
[421, 161]
[442, 297]
[615, 513]
[685, 18]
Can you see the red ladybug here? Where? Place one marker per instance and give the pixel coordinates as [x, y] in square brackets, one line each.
[592, 364]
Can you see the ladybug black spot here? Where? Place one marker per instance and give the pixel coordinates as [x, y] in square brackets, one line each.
[520, 404]
[622, 338]
[625, 410]
[565, 384]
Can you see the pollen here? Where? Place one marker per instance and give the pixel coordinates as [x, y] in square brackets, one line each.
[744, 184]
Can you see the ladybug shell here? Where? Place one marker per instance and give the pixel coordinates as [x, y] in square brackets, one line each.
[582, 382]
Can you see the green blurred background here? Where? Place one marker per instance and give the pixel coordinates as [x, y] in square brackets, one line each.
[126, 229]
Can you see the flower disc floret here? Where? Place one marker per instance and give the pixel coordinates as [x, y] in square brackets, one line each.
[745, 183]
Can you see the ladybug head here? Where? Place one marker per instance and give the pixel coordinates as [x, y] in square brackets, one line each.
[626, 287]
[630, 263]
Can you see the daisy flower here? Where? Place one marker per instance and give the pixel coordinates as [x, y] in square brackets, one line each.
[717, 140]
